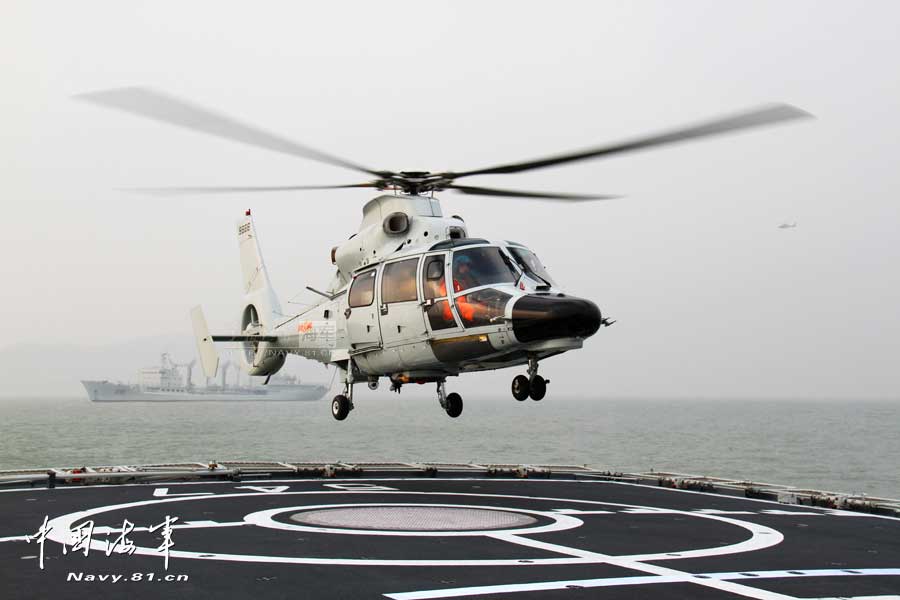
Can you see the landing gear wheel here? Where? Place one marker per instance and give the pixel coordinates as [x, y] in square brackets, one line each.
[454, 404]
[340, 407]
[538, 388]
[520, 387]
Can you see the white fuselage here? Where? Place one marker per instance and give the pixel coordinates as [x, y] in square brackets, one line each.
[415, 299]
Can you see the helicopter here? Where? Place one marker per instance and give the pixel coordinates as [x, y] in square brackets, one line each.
[414, 298]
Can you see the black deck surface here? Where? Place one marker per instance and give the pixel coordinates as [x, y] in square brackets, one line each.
[586, 539]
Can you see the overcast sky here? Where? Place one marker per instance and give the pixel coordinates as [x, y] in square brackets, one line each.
[711, 298]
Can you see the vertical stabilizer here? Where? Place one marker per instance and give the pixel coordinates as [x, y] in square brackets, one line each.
[205, 347]
[258, 292]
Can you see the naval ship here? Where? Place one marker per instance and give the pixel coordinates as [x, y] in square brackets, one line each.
[171, 382]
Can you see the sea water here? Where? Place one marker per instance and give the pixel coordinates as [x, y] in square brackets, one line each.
[844, 446]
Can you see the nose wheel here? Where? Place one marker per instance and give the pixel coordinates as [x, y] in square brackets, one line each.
[520, 387]
[532, 385]
[538, 388]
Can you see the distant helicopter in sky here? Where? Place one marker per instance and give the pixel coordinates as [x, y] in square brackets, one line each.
[414, 297]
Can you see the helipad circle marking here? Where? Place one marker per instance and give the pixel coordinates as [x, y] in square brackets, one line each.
[761, 536]
[413, 518]
[265, 518]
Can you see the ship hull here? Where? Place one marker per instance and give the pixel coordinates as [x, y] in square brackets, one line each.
[105, 391]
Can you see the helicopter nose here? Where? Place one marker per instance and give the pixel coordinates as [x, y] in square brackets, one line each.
[546, 317]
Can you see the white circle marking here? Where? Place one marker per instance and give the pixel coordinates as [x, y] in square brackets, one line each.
[761, 536]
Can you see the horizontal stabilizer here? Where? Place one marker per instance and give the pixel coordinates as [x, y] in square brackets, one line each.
[245, 338]
[205, 347]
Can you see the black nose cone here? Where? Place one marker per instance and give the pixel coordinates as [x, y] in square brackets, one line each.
[547, 317]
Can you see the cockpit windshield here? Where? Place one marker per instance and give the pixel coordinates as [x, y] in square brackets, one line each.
[473, 267]
[530, 264]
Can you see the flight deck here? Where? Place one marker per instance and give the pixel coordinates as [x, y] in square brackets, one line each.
[415, 531]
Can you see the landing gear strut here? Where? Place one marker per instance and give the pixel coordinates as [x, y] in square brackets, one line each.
[342, 404]
[533, 385]
[452, 403]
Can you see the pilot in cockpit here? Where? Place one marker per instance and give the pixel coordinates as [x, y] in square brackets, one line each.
[463, 275]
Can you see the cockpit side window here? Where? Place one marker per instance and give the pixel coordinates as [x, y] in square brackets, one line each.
[398, 281]
[530, 264]
[434, 284]
[483, 307]
[473, 267]
[362, 290]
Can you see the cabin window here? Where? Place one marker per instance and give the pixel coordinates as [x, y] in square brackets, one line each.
[398, 281]
[474, 267]
[434, 284]
[362, 290]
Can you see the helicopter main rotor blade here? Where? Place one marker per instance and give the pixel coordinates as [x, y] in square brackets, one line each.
[248, 188]
[767, 115]
[158, 106]
[483, 191]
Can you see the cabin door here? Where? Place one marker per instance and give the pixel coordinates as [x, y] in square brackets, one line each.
[400, 311]
[362, 320]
